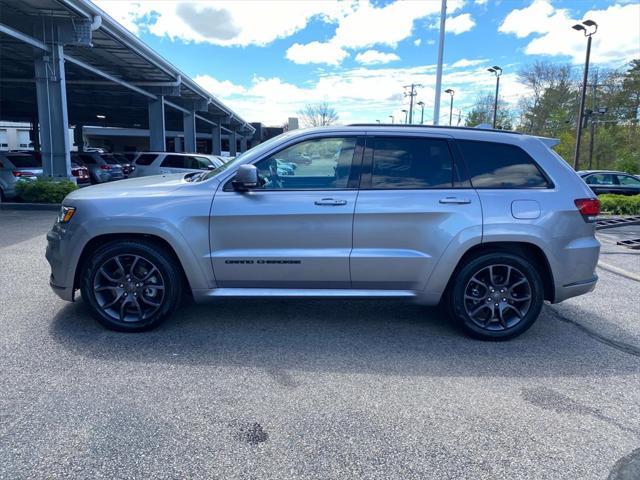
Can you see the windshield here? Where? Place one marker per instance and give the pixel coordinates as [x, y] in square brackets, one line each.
[240, 159]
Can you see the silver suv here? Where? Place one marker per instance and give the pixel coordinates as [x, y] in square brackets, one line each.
[488, 223]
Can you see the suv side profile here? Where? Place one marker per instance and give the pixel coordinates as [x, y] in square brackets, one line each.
[163, 163]
[489, 223]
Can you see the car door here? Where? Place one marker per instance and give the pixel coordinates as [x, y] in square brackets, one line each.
[412, 205]
[628, 185]
[294, 231]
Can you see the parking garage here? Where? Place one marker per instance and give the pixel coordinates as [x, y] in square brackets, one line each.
[65, 63]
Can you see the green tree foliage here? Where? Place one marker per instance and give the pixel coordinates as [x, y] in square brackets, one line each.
[551, 109]
[482, 112]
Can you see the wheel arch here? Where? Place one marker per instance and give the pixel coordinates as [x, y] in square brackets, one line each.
[150, 239]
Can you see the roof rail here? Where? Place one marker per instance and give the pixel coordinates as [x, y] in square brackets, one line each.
[479, 127]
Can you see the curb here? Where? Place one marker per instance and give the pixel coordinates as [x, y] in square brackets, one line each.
[29, 206]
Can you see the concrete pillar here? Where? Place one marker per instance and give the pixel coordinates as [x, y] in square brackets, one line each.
[51, 93]
[216, 139]
[78, 138]
[157, 142]
[233, 143]
[189, 129]
[177, 144]
[243, 144]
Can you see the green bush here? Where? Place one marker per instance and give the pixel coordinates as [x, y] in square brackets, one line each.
[620, 204]
[44, 190]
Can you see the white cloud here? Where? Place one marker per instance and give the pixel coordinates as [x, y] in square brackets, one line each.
[460, 24]
[617, 39]
[481, 2]
[219, 88]
[464, 62]
[222, 22]
[374, 57]
[417, 42]
[316, 52]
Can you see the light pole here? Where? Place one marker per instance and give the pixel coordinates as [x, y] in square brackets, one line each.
[405, 116]
[497, 71]
[451, 92]
[421, 103]
[391, 117]
[588, 27]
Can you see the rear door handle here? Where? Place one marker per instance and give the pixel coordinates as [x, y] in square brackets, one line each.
[455, 200]
[331, 202]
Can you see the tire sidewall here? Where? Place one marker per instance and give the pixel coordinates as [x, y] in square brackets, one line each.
[456, 299]
[159, 257]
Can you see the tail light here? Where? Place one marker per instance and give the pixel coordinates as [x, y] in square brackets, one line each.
[589, 208]
[75, 173]
[18, 174]
[105, 167]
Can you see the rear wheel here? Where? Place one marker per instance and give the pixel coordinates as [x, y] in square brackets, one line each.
[496, 296]
[131, 286]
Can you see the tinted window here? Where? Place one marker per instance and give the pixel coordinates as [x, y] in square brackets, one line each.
[110, 159]
[174, 161]
[411, 163]
[146, 159]
[315, 164]
[601, 179]
[87, 159]
[499, 165]
[199, 163]
[24, 161]
[628, 180]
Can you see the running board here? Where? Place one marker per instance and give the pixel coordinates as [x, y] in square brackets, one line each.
[301, 292]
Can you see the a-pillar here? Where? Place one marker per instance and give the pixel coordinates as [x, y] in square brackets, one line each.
[216, 139]
[157, 141]
[233, 143]
[189, 130]
[51, 93]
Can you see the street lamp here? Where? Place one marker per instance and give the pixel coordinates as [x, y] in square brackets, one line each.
[405, 116]
[451, 92]
[588, 27]
[391, 117]
[421, 103]
[497, 71]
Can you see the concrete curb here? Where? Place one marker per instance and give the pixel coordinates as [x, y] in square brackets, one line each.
[29, 206]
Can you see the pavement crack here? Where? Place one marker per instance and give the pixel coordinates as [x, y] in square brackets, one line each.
[618, 345]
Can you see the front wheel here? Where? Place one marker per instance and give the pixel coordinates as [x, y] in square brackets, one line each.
[496, 296]
[131, 286]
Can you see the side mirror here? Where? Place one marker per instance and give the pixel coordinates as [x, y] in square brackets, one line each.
[246, 178]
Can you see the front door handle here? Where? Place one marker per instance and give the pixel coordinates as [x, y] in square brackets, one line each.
[455, 200]
[331, 202]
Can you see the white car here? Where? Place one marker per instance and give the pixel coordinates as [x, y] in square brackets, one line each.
[158, 163]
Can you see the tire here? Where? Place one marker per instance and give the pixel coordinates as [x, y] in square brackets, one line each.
[488, 296]
[131, 286]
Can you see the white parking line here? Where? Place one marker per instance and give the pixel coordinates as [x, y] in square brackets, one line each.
[619, 271]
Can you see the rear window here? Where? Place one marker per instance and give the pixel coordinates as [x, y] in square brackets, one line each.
[403, 162]
[146, 159]
[110, 159]
[500, 165]
[88, 159]
[24, 161]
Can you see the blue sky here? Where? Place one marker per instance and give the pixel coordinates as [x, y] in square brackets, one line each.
[267, 59]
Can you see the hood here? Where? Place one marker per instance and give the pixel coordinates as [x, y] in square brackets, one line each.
[134, 187]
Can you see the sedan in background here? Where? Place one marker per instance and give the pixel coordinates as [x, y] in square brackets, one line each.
[102, 166]
[127, 165]
[158, 163]
[609, 181]
[14, 167]
[81, 174]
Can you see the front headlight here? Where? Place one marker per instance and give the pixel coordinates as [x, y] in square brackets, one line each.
[66, 213]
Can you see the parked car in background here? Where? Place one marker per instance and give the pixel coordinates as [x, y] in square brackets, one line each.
[81, 174]
[102, 166]
[15, 166]
[158, 163]
[488, 223]
[127, 165]
[611, 181]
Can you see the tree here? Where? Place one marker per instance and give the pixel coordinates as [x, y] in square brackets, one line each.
[482, 112]
[318, 115]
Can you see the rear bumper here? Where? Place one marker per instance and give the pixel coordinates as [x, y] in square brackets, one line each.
[65, 293]
[576, 288]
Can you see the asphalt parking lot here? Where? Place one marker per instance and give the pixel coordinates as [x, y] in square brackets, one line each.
[314, 389]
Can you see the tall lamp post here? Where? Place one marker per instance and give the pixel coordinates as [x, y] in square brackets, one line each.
[451, 92]
[405, 116]
[588, 27]
[421, 103]
[392, 119]
[497, 71]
